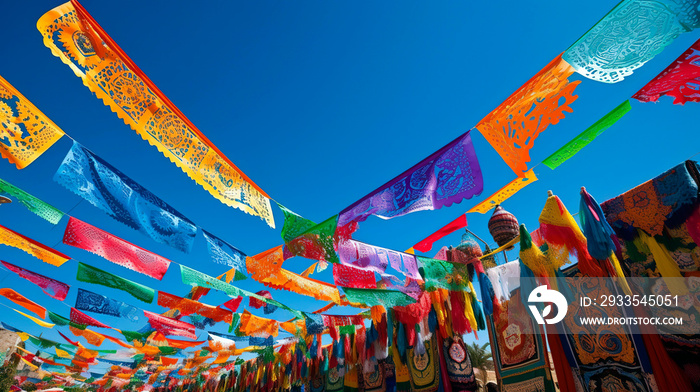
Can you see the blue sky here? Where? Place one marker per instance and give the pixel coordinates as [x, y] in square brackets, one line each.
[319, 103]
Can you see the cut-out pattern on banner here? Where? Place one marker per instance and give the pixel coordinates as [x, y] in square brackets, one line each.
[680, 80]
[448, 176]
[224, 253]
[25, 132]
[168, 326]
[108, 189]
[513, 126]
[188, 306]
[81, 318]
[51, 287]
[584, 138]
[40, 251]
[504, 193]
[90, 274]
[33, 204]
[627, 37]
[92, 302]
[78, 40]
[120, 252]
[377, 259]
[372, 297]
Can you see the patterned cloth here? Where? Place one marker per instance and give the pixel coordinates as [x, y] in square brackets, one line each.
[90, 274]
[447, 176]
[584, 138]
[513, 127]
[630, 34]
[51, 287]
[664, 200]
[518, 348]
[75, 37]
[25, 132]
[120, 252]
[679, 80]
[372, 297]
[373, 258]
[120, 197]
[40, 251]
[92, 302]
[606, 356]
[81, 318]
[33, 204]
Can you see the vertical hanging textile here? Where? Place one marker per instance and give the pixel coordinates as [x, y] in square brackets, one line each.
[187, 307]
[22, 301]
[120, 252]
[40, 251]
[629, 35]
[679, 80]
[427, 244]
[169, 326]
[458, 364]
[33, 204]
[424, 367]
[518, 348]
[513, 127]
[25, 132]
[224, 253]
[81, 318]
[608, 356]
[78, 40]
[51, 287]
[504, 193]
[447, 176]
[584, 138]
[90, 274]
[92, 302]
[120, 197]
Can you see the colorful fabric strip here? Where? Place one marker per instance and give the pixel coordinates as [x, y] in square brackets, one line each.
[51, 287]
[120, 252]
[612, 50]
[22, 301]
[224, 253]
[584, 138]
[90, 274]
[187, 306]
[96, 303]
[427, 244]
[25, 132]
[62, 321]
[111, 75]
[168, 326]
[36, 320]
[513, 127]
[377, 259]
[33, 204]
[81, 318]
[349, 276]
[120, 197]
[40, 251]
[680, 80]
[504, 193]
[372, 297]
[447, 176]
[252, 325]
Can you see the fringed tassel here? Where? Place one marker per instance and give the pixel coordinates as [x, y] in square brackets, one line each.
[460, 324]
[487, 293]
[432, 320]
[469, 311]
[401, 343]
